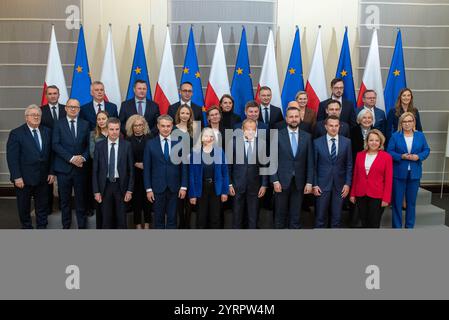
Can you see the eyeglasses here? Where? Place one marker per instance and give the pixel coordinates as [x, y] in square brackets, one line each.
[339, 88]
[73, 107]
[34, 115]
[187, 91]
[138, 125]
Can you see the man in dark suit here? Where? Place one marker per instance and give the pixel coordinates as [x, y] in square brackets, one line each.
[113, 176]
[347, 107]
[294, 176]
[71, 149]
[248, 186]
[164, 180]
[29, 158]
[186, 92]
[90, 110]
[140, 105]
[379, 117]
[53, 111]
[333, 174]
[252, 111]
[333, 108]
[307, 127]
[269, 114]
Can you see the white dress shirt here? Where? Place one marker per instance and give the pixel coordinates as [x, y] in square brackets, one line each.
[75, 124]
[102, 106]
[262, 109]
[56, 110]
[38, 135]
[163, 143]
[409, 143]
[116, 156]
[329, 143]
[338, 99]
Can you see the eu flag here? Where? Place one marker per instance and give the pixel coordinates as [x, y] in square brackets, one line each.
[139, 69]
[242, 84]
[396, 76]
[191, 71]
[294, 80]
[81, 75]
[344, 70]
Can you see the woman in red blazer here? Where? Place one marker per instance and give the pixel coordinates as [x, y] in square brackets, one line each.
[373, 180]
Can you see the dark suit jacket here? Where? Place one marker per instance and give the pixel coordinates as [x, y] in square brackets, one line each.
[332, 176]
[357, 142]
[301, 164]
[24, 158]
[244, 174]
[197, 111]
[125, 167]
[65, 146]
[88, 113]
[160, 174]
[47, 116]
[129, 108]
[381, 119]
[304, 126]
[320, 130]
[347, 112]
[275, 116]
[393, 122]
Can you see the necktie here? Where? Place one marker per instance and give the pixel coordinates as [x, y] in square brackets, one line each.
[249, 152]
[333, 151]
[294, 143]
[36, 139]
[267, 117]
[139, 108]
[55, 115]
[166, 150]
[111, 169]
[72, 128]
[99, 108]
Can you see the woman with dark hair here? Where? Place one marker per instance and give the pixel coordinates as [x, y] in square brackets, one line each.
[229, 118]
[214, 120]
[403, 104]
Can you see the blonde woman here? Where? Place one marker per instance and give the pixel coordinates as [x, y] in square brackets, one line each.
[100, 132]
[138, 133]
[409, 149]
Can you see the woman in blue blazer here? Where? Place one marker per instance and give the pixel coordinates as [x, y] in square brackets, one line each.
[208, 182]
[409, 149]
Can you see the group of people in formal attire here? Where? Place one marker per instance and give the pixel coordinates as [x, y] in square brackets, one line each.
[164, 167]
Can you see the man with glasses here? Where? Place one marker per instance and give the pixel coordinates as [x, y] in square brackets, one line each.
[347, 107]
[186, 92]
[71, 148]
[28, 154]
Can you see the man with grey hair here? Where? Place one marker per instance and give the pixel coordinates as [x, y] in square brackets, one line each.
[29, 156]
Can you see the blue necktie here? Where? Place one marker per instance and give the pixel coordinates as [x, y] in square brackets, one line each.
[36, 139]
[267, 117]
[166, 150]
[333, 151]
[111, 169]
[72, 128]
[294, 144]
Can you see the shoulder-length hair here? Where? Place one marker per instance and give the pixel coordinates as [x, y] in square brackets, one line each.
[129, 127]
[377, 133]
[97, 128]
[401, 119]
[398, 107]
[189, 122]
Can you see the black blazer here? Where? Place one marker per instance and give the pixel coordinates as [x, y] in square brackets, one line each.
[88, 113]
[320, 130]
[197, 111]
[129, 108]
[275, 116]
[347, 112]
[357, 142]
[47, 116]
[125, 167]
[243, 175]
[24, 158]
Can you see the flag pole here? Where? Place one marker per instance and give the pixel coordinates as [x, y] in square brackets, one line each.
[442, 179]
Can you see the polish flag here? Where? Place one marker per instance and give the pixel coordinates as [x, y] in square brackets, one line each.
[269, 75]
[218, 80]
[109, 74]
[55, 74]
[316, 87]
[372, 77]
[166, 88]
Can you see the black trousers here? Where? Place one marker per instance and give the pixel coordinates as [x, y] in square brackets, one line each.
[370, 211]
[113, 207]
[40, 195]
[209, 208]
[287, 207]
[184, 213]
[246, 203]
[139, 201]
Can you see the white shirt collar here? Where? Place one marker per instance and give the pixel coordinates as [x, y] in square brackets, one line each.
[264, 106]
[290, 130]
[163, 139]
[97, 103]
[189, 103]
[69, 119]
[338, 99]
[31, 129]
[143, 100]
[329, 138]
[111, 142]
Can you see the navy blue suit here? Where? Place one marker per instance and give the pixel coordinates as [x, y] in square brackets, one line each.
[381, 119]
[294, 172]
[246, 179]
[331, 177]
[129, 109]
[320, 130]
[65, 146]
[165, 179]
[88, 113]
[47, 116]
[406, 182]
[393, 122]
[275, 116]
[347, 112]
[26, 161]
[113, 205]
